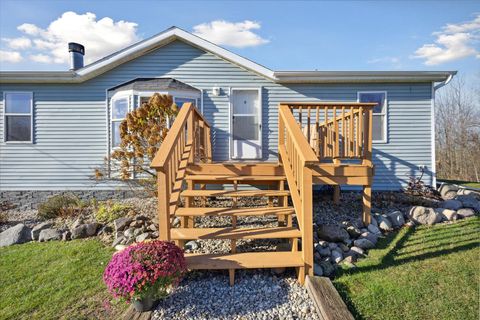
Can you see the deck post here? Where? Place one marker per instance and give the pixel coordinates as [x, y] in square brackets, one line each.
[367, 204]
[163, 205]
[307, 215]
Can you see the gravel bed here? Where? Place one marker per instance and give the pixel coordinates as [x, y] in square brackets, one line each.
[255, 295]
[14, 217]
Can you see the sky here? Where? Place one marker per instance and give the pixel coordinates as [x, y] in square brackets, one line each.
[285, 35]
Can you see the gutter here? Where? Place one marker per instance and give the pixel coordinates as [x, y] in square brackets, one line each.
[445, 82]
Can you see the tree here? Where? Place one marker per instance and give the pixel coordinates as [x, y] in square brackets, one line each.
[457, 117]
[141, 134]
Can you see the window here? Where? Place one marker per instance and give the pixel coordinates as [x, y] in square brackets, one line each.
[18, 116]
[379, 125]
[119, 112]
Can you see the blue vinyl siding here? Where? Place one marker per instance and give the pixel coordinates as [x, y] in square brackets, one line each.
[71, 133]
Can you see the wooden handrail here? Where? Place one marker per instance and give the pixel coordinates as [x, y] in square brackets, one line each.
[330, 104]
[187, 141]
[297, 158]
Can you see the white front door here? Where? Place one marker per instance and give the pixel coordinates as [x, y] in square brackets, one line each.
[246, 124]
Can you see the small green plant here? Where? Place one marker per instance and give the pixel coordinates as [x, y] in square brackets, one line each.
[58, 206]
[107, 212]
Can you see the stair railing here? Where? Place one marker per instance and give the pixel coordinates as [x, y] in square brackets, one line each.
[187, 141]
[336, 130]
[297, 158]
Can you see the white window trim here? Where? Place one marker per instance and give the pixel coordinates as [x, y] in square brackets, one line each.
[118, 96]
[385, 114]
[17, 114]
[230, 125]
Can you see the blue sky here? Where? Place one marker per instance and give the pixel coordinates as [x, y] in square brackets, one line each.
[280, 35]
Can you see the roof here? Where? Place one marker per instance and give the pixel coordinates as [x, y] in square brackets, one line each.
[140, 48]
[149, 84]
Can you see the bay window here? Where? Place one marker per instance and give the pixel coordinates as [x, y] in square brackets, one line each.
[18, 116]
[379, 125]
[120, 108]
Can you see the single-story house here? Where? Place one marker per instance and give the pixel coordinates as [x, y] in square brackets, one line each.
[57, 126]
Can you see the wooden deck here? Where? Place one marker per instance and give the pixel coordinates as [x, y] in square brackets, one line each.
[327, 143]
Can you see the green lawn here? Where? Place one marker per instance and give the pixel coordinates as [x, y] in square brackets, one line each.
[463, 183]
[422, 273]
[55, 280]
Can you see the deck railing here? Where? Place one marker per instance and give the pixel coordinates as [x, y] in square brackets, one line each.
[336, 130]
[297, 157]
[187, 141]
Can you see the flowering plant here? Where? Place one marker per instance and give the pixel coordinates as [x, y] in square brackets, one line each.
[146, 269]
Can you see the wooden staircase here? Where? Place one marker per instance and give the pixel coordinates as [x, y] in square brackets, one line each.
[186, 175]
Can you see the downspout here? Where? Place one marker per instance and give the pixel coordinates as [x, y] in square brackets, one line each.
[434, 89]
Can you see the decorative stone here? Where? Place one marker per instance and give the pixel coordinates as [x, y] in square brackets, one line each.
[384, 223]
[327, 268]
[118, 240]
[120, 247]
[66, 236]
[357, 251]
[337, 256]
[176, 222]
[332, 245]
[445, 214]
[353, 231]
[85, 230]
[142, 237]
[317, 270]
[373, 229]
[373, 238]
[324, 252]
[129, 233]
[49, 234]
[343, 247]
[465, 213]
[364, 243]
[137, 232]
[350, 259]
[152, 227]
[121, 223]
[448, 191]
[323, 243]
[39, 227]
[452, 204]
[15, 235]
[77, 223]
[332, 233]
[397, 219]
[469, 201]
[422, 215]
[191, 245]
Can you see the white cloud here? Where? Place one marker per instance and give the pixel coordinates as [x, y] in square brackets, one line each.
[391, 61]
[18, 43]
[100, 37]
[234, 34]
[10, 56]
[455, 41]
[42, 58]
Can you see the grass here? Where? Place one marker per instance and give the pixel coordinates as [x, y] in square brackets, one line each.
[463, 183]
[422, 273]
[55, 280]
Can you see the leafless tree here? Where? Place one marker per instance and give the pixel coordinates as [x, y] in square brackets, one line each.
[457, 118]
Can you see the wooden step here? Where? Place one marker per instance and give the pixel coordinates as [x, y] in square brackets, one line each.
[245, 260]
[234, 194]
[260, 211]
[237, 168]
[214, 177]
[235, 233]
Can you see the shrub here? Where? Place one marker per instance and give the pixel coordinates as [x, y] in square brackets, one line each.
[108, 212]
[58, 206]
[146, 269]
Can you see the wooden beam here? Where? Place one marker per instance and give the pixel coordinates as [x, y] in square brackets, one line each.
[335, 180]
[367, 205]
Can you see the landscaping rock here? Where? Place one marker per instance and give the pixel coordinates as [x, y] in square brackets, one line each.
[327, 267]
[317, 270]
[39, 227]
[446, 214]
[152, 227]
[324, 252]
[397, 219]
[66, 236]
[465, 213]
[85, 230]
[452, 204]
[176, 222]
[337, 256]
[323, 243]
[129, 233]
[191, 245]
[332, 246]
[357, 251]
[373, 238]
[142, 237]
[384, 223]
[350, 259]
[467, 192]
[448, 191]
[77, 223]
[373, 229]
[422, 215]
[364, 243]
[120, 247]
[15, 235]
[343, 247]
[469, 201]
[118, 241]
[49, 234]
[332, 233]
[353, 231]
[121, 223]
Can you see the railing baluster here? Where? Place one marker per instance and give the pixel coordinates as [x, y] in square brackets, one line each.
[317, 117]
[343, 132]
[308, 126]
